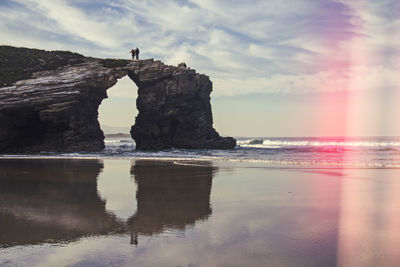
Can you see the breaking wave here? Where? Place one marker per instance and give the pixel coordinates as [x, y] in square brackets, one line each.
[282, 143]
[293, 152]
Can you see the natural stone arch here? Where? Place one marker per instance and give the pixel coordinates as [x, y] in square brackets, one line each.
[117, 113]
[57, 109]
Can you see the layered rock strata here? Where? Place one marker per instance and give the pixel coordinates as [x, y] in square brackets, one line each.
[54, 106]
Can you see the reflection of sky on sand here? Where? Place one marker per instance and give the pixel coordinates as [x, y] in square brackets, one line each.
[256, 216]
[369, 219]
[117, 188]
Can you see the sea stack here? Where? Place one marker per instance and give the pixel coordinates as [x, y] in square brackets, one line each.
[49, 102]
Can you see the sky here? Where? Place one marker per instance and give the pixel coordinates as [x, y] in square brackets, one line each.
[279, 68]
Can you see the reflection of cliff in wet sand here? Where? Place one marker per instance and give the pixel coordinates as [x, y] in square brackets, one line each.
[169, 196]
[51, 200]
[57, 200]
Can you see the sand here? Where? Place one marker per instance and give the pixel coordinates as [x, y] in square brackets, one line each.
[126, 212]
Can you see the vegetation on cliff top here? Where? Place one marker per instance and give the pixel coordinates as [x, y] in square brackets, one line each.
[20, 63]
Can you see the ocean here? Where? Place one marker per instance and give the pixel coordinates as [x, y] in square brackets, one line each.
[349, 152]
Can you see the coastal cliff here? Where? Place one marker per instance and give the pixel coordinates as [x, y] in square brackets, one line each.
[49, 102]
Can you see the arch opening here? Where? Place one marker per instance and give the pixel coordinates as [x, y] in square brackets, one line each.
[117, 112]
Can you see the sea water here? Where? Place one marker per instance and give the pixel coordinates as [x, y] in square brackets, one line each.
[349, 152]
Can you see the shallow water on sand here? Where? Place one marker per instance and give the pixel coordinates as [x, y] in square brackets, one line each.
[124, 212]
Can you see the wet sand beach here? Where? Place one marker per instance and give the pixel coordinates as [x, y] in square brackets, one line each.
[126, 212]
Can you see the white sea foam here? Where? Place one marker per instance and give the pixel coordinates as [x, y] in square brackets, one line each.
[181, 160]
[267, 143]
[283, 152]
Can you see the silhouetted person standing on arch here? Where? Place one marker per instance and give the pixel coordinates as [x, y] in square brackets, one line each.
[133, 54]
[137, 53]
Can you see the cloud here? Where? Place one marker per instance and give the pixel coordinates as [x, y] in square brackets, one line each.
[359, 78]
[262, 46]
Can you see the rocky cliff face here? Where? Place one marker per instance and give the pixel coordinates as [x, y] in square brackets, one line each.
[49, 102]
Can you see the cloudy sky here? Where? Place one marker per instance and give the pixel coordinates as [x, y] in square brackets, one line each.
[279, 68]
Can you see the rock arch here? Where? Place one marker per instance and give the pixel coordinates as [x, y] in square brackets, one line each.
[55, 106]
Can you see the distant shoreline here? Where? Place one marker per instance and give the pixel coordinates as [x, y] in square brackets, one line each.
[118, 135]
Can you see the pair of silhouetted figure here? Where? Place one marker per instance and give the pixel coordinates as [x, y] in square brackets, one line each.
[135, 53]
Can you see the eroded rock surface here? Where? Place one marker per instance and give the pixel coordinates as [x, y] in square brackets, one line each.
[56, 108]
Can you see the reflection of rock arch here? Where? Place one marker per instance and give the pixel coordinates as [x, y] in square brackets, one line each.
[170, 196]
[55, 109]
[44, 200]
[56, 200]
